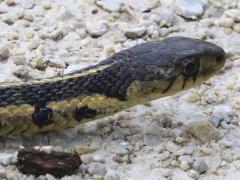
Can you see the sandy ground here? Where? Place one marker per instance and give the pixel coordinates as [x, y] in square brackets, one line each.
[192, 135]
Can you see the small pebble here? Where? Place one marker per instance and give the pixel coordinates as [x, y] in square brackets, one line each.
[56, 35]
[97, 177]
[165, 172]
[236, 28]
[6, 158]
[120, 148]
[98, 158]
[4, 53]
[184, 165]
[109, 5]
[111, 175]
[189, 8]
[171, 147]
[200, 166]
[79, 149]
[58, 63]
[194, 174]
[96, 168]
[47, 149]
[10, 2]
[226, 22]
[96, 29]
[163, 156]
[234, 14]
[215, 120]
[134, 33]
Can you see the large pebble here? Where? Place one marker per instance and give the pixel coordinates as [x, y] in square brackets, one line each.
[96, 168]
[234, 14]
[204, 131]
[134, 33]
[189, 8]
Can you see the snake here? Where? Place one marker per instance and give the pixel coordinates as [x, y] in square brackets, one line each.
[133, 76]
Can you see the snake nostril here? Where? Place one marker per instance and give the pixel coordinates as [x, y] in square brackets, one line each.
[220, 59]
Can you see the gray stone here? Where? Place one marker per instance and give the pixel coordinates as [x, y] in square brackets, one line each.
[189, 8]
[120, 148]
[96, 168]
[96, 29]
[184, 165]
[134, 33]
[194, 174]
[204, 131]
[56, 35]
[98, 158]
[143, 5]
[163, 18]
[151, 140]
[109, 5]
[171, 147]
[27, 4]
[215, 120]
[223, 109]
[187, 158]
[236, 28]
[111, 175]
[200, 166]
[165, 172]
[163, 156]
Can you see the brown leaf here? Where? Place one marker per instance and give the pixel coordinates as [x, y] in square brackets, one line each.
[39, 163]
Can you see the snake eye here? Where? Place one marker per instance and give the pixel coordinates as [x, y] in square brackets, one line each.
[190, 67]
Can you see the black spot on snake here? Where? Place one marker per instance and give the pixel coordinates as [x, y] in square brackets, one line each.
[84, 113]
[42, 116]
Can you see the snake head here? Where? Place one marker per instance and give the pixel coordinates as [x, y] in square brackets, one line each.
[176, 63]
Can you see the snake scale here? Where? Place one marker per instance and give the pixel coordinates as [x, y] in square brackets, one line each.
[134, 76]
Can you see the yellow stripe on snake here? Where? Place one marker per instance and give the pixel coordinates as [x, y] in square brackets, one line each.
[135, 76]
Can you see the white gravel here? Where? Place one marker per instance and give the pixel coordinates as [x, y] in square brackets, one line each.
[192, 135]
